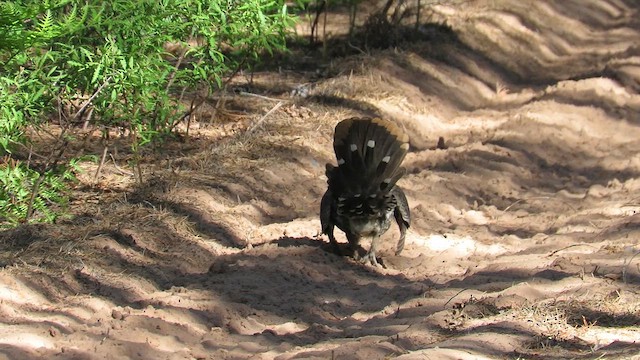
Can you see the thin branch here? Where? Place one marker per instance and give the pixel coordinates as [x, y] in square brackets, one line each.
[172, 76]
[87, 102]
[257, 124]
[570, 246]
[514, 203]
[453, 297]
[122, 171]
[194, 106]
[52, 161]
[29, 150]
[624, 269]
[104, 156]
[243, 93]
[314, 25]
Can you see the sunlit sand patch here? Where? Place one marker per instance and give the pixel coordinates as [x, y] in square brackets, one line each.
[445, 354]
[18, 293]
[430, 122]
[289, 327]
[459, 246]
[600, 337]
[22, 340]
[615, 210]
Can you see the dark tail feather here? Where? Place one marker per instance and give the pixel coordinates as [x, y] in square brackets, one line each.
[369, 154]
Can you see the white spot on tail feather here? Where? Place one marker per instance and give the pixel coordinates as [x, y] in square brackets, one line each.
[371, 143]
[386, 159]
[341, 161]
[353, 147]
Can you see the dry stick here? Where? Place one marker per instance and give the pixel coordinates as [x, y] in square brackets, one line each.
[187, 115]
[122, 171]
[314, 25]
[259, 122]
[570, 246]
[172, 76]
[53, 160]
[30, 151]
[104, 156]
[191, 115]
[418, 8]
[453, 297]
[184, 89]
[624, 269]
[193, 108]
[243, 93]
[353, 11]
[139, 170]
[219, 103]
[90, 99]
[387, 7]
[356, 48]
[324, 36]
[514, 203]
[85, 125]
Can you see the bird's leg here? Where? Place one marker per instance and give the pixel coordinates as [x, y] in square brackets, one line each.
[403, 233]
[334, 242]
[354, 241]
[370, 257]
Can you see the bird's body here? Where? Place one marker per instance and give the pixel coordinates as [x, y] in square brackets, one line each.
[362, 196]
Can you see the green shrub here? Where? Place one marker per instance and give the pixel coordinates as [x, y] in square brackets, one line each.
[108, 58]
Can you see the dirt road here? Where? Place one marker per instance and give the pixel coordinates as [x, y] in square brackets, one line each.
[524, 242]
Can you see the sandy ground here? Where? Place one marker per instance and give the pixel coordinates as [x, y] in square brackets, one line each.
[524, 242]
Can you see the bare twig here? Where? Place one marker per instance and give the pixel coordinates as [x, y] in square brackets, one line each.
[243, 93]
[34, 193]
[194, 106]
[104, 156]
[453, 297]
[259, 122]
[626, 265]
[121, 170]
[87, 120]
[29, 151]
[356, 48]
[418, 8]
[87, 102]
[570, 246]
[172, 76]
[314, 25]
[139, 171]
[514, 203]
[51, 162]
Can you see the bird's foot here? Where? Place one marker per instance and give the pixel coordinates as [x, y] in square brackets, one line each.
[370, 259]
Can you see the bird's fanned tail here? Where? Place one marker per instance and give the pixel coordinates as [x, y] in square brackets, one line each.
[369, 153]
[362, 197]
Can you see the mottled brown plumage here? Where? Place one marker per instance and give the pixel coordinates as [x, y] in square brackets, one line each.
[362, 194]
